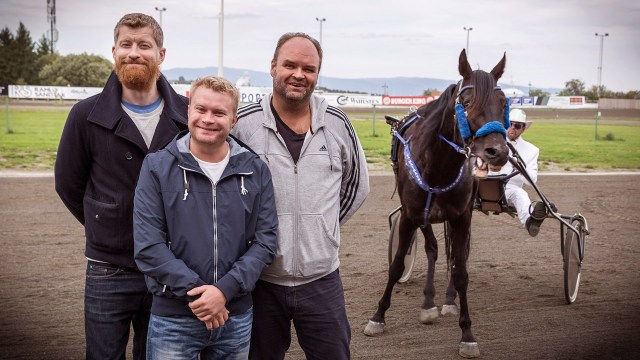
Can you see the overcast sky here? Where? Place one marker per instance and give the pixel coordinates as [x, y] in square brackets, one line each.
[547, 42]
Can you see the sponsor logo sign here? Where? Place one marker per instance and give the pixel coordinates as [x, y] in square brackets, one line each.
[406, 100]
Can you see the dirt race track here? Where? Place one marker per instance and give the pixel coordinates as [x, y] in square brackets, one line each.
[516, 282]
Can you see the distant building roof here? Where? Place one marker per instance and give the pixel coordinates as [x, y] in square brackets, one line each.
[244, 80]
[512, 92]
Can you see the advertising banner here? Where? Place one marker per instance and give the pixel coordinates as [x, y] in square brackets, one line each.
[566, 101]
[51, 92]
[406, 100]
[352, 100]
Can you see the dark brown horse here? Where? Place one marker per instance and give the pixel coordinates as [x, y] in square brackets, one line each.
[447, 142]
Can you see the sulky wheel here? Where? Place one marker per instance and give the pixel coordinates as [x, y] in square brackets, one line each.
[572, 261]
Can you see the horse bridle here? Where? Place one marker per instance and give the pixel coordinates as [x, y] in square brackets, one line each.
[460, 114]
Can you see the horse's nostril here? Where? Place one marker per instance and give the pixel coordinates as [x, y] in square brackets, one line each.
[491, 152]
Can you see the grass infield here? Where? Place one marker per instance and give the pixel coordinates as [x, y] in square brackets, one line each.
[29, 140]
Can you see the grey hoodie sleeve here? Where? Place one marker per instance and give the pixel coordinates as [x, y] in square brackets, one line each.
[355, 177]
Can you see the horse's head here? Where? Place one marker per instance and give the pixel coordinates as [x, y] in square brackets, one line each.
[482, 114]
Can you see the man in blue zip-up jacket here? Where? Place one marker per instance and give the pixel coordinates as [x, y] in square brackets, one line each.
[204, 229]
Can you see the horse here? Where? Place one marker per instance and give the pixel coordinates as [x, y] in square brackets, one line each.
[444, 146]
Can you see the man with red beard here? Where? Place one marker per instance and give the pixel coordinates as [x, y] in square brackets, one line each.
[101, 150]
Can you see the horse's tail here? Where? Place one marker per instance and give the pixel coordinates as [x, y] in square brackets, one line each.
[448, 246]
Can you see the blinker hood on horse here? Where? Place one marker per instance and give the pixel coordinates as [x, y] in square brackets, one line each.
[439, 149]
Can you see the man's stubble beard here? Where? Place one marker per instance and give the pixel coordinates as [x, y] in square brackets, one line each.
[137, 78]
[280, 88]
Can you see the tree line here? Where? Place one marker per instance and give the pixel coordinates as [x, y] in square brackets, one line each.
[577, 87]
[25, 62]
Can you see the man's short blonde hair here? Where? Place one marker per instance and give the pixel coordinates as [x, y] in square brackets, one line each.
[219, 85]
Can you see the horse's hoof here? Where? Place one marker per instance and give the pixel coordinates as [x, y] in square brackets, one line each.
[428, 316]
[451, 310]
[374, 328]
[469, 350]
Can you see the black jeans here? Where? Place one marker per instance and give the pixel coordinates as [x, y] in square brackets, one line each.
[318, 313]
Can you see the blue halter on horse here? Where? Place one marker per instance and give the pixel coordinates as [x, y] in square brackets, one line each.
[490, 127]
[465, 132]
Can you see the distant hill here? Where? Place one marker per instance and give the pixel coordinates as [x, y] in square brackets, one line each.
[395, 86]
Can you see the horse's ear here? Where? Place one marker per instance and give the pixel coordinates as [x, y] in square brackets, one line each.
[463, 65]
[499, 69]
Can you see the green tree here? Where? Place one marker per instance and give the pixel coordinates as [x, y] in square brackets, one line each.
[7, 66]
[601, 92]
[538, 92]
[633, 94]
[573, 87]
[77, 70]
[25, 56]
[43, 47]
[429, 92]
[19, 61]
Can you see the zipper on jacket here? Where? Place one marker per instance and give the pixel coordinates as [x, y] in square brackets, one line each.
[296, 219]
[215, 236]
[215, 225]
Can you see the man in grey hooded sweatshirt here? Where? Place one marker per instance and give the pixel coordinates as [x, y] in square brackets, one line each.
[320, 179]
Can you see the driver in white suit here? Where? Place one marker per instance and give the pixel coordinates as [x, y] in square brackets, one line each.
[514, 192]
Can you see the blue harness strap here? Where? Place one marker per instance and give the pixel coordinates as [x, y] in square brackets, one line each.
[412, 168]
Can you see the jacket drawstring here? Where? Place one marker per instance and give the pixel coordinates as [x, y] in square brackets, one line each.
[243, 190]
[185, 184]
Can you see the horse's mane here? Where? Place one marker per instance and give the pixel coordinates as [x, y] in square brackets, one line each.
[484, 84]
[440, 104]
[434, 114]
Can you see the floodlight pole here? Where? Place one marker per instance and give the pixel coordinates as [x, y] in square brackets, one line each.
[221, 39]
[467, 30]
[320, 20]
[602, 36]
[51, 17]
[160, 11]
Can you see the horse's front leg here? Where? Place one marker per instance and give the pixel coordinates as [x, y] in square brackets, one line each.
[396, 268]
[460, 244]
[429, 310]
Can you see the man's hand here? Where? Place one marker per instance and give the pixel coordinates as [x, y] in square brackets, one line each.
[210, 307]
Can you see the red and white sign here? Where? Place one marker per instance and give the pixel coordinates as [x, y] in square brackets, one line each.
[406, 100]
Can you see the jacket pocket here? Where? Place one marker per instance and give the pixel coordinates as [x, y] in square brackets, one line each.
[318, 246]
[103, 224]
[283, 263]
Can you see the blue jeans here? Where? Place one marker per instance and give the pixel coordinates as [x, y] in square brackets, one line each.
[184, 338]
[114, 299]
[318, 313]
